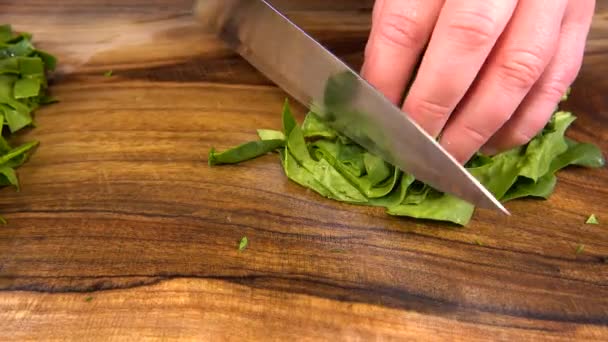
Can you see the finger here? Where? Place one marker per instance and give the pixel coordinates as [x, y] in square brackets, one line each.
[540, 103]
[517, 62]
[400, 31]
[465, 33]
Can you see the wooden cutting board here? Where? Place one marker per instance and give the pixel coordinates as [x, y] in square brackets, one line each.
[122, 231]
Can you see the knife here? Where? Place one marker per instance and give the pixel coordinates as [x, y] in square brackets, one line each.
[319, 80]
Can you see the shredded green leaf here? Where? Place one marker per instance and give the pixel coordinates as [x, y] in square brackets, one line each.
[592, 220]
[580, 248]
[243, 243]
[88, 299]
[244, 152]
[23, 88]
[319, 158]
[108, 73]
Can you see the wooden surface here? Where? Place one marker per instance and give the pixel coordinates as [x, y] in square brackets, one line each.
[122, 231]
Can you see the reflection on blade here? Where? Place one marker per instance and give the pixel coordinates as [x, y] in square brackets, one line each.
[318, 79]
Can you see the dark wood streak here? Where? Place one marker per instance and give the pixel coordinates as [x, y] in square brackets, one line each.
[118, 203]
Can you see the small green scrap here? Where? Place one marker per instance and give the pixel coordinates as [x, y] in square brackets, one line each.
[580, 248]
[3, 220]
[592, 220]
[478, 243]
[243, 243]
[108, 73]
[88, 299]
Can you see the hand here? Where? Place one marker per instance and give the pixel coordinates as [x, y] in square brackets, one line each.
[495, 68]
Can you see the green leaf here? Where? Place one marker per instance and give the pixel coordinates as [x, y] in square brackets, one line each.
[541, 151]
[23, 86]
[437, 206]
[244, 152]
[243, 243]
[581, 154]
[9, 66]
[397, 194]
[17, 152]
[525, 187]
[16, 118]
[592, 220]
[314, 127]
[108, 73]
[500, 174]
[376, 168]
[302, 176]
[6, 33]
[579, 249]
[22, 48]
[50, 61]
[289, 122]
[318, 158]
[26, 87]
[31, 67]
[8, 176]
[269, 134]
[322, 170]
[351, 156]
[3, 220]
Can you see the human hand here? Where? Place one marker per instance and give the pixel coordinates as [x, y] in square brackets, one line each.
[495, 68]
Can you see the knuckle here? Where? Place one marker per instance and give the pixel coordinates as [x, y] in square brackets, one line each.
[402, 30]
[478, 134]
[473, 28]
[554, 90]
[521, 69]
[432, 109]
[523, 136]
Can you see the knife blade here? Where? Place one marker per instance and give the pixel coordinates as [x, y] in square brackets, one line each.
[310, 73]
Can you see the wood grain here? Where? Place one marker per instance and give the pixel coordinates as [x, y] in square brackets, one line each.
[119, 204]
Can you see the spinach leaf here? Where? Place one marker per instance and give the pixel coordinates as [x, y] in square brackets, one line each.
[322, 170]
[243, 243]
[541, 151]
[244, 152]
[581, 154]
[26, 87]
[437, 206]
[23, 88]
[313, 127]
[592, 219]
[289, 122]
[269, 134]
[318, 158]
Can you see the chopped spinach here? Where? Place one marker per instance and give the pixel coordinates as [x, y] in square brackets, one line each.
[244, 152]
[243, 243]
[23, 88]
[592, 220]
[319, 158]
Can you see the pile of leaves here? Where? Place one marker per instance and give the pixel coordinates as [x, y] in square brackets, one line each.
[319, 158]
[23, 88]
